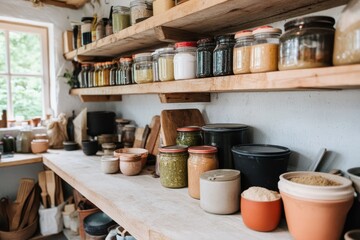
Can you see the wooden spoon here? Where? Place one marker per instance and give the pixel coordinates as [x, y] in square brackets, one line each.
[42, 184]
[27, 209]
[50, 186]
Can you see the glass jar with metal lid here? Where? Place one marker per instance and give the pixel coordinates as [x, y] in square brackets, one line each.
[90, 75]
[113, 75]
[86, 30]
[242, 51]
[201, 159]
[166, 63]
[139, 11]
[155, 65]
[185, 60]
[307, 43]
[125, 74]
[204, 57]
[120, 18]
[264, 52]
[223, 55]
[189, 136]
[97, 74]
[173, 166]
[83, 76]
[106, 73]
[142, 68]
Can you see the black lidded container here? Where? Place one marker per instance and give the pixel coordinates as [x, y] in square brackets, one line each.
[260, 164]
[100, 122]
[224, 136]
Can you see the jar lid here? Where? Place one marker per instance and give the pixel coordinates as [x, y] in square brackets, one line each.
[220, 175]
[85, 19]
[146, 55]
[40, 140]
[225, 37]
[206, 40]
[313, 21]
[137, 2]
[129, 127]
[266, 29]
[165, 50]
[185, 44]
[122, 121]
[121, 8]
[244, 33]
[173, 149]
[189, 129]
[224, 127]
[108, 145]
[126, 59]
[202, 149]
[260, 150]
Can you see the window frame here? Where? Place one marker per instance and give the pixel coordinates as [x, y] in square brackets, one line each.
[43, 31]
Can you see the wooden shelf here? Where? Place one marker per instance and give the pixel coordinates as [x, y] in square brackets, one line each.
[146, 209]
[192, 19]
[328, 78]
[20, 159]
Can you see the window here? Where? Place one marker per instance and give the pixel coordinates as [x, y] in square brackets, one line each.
[24, 70]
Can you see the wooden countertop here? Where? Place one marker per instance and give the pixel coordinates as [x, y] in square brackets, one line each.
[146, 209]
[20, 159]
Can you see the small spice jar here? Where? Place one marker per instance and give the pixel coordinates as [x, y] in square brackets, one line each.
[185, 60]
[264, 52]
[307, 43]
[173, 166]
[223, 55]
[242, 51]
[113, 75]
[100, 28]
[128, 136]
[86, 30]
[120, 18]
[161, 6]
[142, 68]
[83, 75]
[90, 76]
[189, 136]
[220, 191]
[204, 57]
[166, 64]
[201, 159]
[125, 72]
[139, 11]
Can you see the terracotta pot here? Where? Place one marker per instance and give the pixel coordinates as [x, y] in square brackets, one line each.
[130, 165]
[142, 152]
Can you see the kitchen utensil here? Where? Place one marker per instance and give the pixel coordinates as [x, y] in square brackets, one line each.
[154, 133]
[24, 191]
[34, 209]
[50, 186]
[42, 184]
[27, 209]
[172, 119]
[319, 158]
[59, 196]
[145, 136]
[4, 223]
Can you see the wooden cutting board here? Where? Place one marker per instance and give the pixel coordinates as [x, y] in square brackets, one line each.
[172, 119]
[152, 140]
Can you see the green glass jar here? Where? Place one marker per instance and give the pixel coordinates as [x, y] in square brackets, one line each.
[173, 166]
[189, 136]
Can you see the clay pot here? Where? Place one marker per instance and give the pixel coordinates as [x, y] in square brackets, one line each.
[39, 145]
[130, 165]
[142, 152]
[109, 164]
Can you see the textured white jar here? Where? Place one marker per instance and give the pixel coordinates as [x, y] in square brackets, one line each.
[185, 61]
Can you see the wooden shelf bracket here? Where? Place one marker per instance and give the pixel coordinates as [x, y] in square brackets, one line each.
[100, 98]
[184, 97]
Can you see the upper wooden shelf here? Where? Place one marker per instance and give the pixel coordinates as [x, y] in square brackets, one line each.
[196, 18]
[342, 77]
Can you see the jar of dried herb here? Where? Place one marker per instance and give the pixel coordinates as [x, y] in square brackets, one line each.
[189, 136]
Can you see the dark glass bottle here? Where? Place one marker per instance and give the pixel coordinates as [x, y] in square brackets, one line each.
[204, 57]
[223, 55]
[70, 127]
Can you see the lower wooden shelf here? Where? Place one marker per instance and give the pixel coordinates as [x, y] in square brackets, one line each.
[146, 209]
[327, 78]
[20, 159]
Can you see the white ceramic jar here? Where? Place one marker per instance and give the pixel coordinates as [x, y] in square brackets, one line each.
[185, 60]
[220, 191]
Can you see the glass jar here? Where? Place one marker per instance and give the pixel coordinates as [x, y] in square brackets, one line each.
[106, 73]
[142, 68]
[161, 6]
[86, 30]
[97, 75]
[307, 43]
[201, 159]
[120, 124]
[264, 52]
[347, 35]
[100, 28]
[90, 76]
[128, 135]
[26, 137]
[125, 73]
[189, 136]
[223, 55]
[155, 65]
[120, 18]
[83, 76]
[185, 60]
[173, 166]
[242, 52]
[113, 70]
[204, 57]
[138, 11]
[166, 64]
[9, 144]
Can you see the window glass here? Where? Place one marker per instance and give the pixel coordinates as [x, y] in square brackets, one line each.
[3, 94]
[2, 52]
[27, 97]
[25, 53]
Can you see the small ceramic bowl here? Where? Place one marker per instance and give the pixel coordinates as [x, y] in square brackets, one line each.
[39, 145]
[109, 164]
[90, 147]
[142, 152]
[130, 165]
[70, 146]
[263, 216]
[354, 174]
[352, 235]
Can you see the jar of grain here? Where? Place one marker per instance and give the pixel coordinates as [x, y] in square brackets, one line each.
[242, 51]
[86, 30]
[106, 73]
[161, 6]
[120, 18]
[139, 11]
[173, 166]
[204, 57]
[142, 68]
[223, 55]
[201, 159]
[307, 43]
[264, 52]
[166, 64]
[347, 35]
[125, 71]
[185, 60]
[189, 136]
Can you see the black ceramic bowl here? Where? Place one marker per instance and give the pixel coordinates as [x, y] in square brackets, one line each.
[97, 223]
[90, 147]
[70, 146]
